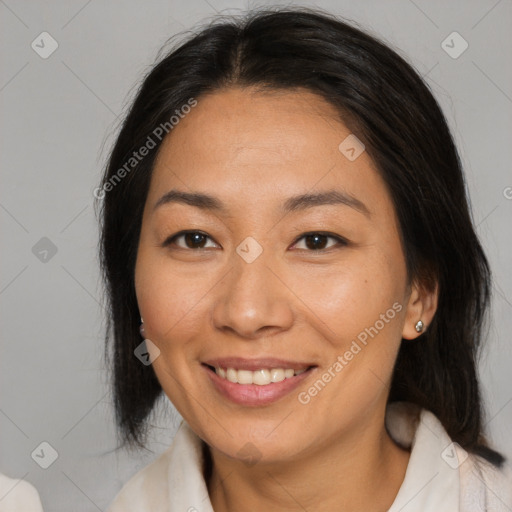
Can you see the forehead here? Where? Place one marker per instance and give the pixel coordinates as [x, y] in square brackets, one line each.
[236, 121]
[247, 145]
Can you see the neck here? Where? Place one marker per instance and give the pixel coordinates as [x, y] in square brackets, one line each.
[362, 471]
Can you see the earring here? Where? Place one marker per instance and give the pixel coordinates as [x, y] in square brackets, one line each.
[141, 328]
[419, 326]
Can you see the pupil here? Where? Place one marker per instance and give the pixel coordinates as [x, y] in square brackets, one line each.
[316, 239]
[194, 238]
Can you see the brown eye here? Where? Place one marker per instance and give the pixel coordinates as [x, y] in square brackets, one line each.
[318, 241]
[191, 239]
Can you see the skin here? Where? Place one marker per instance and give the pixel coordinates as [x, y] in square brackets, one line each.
[253, 150]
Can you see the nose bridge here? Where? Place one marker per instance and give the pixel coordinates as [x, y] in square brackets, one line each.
[252, 297]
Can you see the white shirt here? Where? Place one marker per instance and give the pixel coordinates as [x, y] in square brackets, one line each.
[440, 476]
[18, 495]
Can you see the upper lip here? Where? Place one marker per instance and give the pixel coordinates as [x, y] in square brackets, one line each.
[239, 363]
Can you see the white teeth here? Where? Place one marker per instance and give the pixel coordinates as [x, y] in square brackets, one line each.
[259, 377]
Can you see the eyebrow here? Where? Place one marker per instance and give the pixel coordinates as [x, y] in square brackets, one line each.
[294, 203]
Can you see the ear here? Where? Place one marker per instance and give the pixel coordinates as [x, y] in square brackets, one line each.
[422, 305]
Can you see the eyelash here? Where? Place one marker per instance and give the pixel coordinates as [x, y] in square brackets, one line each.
[340, 241]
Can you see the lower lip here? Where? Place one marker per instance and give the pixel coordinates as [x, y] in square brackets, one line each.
[252, 395]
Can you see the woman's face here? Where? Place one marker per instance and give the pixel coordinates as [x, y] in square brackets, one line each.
[251, 285]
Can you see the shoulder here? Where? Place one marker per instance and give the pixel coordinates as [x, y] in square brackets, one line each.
[464, 481]
[145, 489]
[171, 482]
[18, 496]
[495, 483]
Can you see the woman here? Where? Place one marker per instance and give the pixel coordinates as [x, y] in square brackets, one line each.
[284, 222]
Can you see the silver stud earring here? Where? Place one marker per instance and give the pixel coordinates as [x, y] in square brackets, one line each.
[419, 326]
[141, 328]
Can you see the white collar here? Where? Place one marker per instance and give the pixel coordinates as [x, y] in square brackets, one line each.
[430, 483]
[174, 481]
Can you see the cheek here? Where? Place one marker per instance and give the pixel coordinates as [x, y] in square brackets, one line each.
[167, 299]
[353, 296]
[358, 311]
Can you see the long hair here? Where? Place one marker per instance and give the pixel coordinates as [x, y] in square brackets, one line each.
[381, 99]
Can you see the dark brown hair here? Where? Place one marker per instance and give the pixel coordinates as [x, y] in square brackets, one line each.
[381, 99]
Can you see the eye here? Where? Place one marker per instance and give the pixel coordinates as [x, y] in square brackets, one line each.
[192, 240]
[316, 241]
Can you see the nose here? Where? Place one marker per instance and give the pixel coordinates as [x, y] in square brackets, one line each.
[253, 300]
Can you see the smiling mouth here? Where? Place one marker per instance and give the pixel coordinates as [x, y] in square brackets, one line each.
[257, 388]
[260, 377]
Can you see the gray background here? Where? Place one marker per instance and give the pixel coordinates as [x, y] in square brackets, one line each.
[58, 121]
